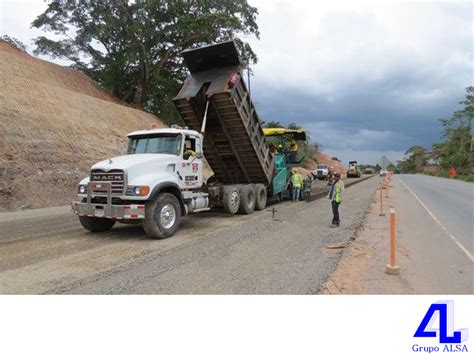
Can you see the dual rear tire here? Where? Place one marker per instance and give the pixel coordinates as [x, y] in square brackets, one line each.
[245, 198]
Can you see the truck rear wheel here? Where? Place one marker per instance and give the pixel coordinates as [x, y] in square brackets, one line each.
[162, 216]
[96, 225]
[261, 197]
[247, 199]
[231, 199]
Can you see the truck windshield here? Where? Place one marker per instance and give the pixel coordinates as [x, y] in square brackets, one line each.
[156, 144]
[322, 166]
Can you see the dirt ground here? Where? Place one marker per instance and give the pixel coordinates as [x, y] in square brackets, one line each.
[55, 123]
[47, 251]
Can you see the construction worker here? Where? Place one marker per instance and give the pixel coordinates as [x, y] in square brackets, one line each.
[296, 184]
[188, 152]
[293, 150]
[335, 195]
[293, 146]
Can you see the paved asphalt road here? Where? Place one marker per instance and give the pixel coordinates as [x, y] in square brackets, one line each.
[435, 232]
[450, 201]
[47, 251]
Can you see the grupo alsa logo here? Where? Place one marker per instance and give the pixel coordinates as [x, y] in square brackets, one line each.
[450, 340]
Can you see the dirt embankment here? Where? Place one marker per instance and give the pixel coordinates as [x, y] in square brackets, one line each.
[335, 164]
[55, 123]
[321, 158]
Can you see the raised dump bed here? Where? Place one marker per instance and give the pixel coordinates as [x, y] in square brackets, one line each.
[234, 143]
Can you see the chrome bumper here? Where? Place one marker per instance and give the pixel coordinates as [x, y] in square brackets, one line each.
[108, 210]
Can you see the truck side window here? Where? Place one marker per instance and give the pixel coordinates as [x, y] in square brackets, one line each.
[189, 147]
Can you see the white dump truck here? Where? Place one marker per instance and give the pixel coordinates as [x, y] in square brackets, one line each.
[161, 180]
[321, 172]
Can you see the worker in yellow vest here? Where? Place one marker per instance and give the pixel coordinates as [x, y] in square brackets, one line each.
[293, 146]
[296, 184]
[335, 195]
[293, 151]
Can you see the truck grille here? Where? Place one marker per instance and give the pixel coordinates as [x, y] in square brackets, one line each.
[115, 177]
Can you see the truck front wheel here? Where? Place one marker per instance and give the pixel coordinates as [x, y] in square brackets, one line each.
[162, 216]
[96, 225]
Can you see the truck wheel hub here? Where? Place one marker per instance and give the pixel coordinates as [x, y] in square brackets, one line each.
[167, 216]
[234, 199]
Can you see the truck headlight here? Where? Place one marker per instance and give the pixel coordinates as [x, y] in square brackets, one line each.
[138, 190]
[82, 189]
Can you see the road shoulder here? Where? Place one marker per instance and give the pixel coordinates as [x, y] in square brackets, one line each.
[429, 261]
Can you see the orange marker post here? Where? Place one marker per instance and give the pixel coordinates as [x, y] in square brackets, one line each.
[392, 268]
[381, 202]
[386, 190]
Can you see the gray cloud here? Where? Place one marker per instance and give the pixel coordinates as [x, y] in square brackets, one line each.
[364, 79]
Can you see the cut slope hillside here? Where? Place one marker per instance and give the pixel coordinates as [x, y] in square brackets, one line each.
[326, 159]
[55, 123]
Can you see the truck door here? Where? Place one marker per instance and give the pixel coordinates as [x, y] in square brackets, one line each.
[192, 164]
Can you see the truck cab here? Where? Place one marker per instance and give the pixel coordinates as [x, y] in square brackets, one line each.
[178, 152]
[158, 161]
[321, 172]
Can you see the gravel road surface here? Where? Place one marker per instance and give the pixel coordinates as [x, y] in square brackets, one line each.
[48, 252]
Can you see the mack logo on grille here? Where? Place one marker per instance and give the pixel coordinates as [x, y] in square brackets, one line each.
[101, 177]
[106, 176]
[114, 177]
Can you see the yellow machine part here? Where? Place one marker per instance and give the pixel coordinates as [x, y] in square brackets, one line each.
[297, 134]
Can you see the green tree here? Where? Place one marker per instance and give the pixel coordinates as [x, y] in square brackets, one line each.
[273, 124]
[457, 149]
[417, 158]
[294, 126]
[394, 168]
[132, 48]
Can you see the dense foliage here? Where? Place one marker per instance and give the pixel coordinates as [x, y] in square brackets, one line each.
[132, 48]
[456, 151]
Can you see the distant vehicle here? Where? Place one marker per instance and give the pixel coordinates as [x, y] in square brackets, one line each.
[321, 172]
[368, 171]
[383, 172]
[353, 170]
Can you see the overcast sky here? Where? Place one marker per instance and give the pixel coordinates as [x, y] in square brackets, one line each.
[365, 78]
